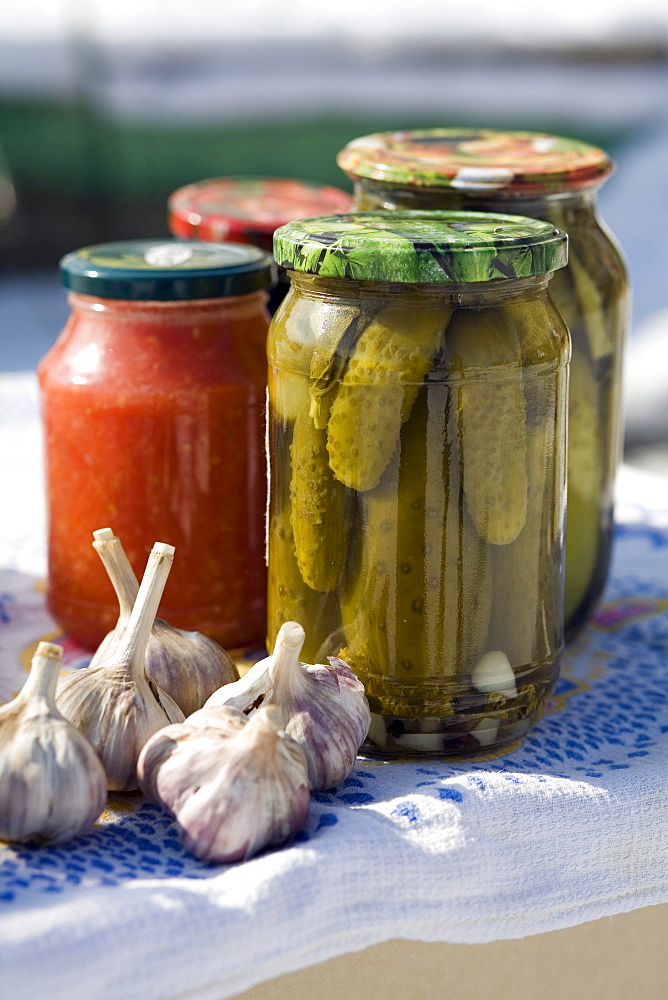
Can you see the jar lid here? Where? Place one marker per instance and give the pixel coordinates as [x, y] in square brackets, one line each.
[517, 163]
[162, 270]
[248, 209]
[424, 247]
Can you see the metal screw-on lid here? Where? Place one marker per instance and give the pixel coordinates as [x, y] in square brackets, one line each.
[421, 247]
[163, 270]
[248, 209]
[476, 160]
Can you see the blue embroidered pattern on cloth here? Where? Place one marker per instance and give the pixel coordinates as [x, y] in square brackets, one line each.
[568, 826]
[616, 716]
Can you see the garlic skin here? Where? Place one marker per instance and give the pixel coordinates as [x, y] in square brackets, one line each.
[325, 705]
[162, 745]
[114, 704]
[188, 666]
[234, 785]
[52, 785]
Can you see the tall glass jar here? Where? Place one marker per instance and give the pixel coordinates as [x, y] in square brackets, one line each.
[153, 403]
[249, 210]
[553, 178]
[417, 426]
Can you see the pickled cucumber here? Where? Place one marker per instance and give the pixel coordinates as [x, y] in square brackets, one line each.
[585, 459]
[287, 394]
[289, 351]
[539, 330]
[582, 546]
[391, 359]
[591, 306]
[320, 507]
[577, 290]
[592, 293]
[492, 421]
[523, 568]
[288, 597]
[336, 328]
[585, 470]
[419, 601]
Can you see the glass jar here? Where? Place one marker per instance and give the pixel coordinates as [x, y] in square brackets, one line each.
[417, 426]
[249, 210]
[153, 402]
[553, 178]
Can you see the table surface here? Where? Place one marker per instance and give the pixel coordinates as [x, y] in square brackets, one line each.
[568, 827]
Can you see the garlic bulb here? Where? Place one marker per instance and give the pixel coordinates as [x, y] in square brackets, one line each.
[115, 704]
[187, 665]
[234, 785]
[325, 706]
[52, 785]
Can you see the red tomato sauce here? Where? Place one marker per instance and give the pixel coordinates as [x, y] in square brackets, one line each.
[154, 426]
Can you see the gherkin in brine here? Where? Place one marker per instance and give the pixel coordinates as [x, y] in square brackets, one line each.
[539, 327]
[320, 507]
[525, 588]
[290, 354]
[519, 567]
[492, 421]
[336, 328]
[419, 600]
[585, 471]
[288, 597]
[391, 359]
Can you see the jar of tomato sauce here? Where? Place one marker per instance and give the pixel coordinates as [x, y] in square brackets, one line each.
[153, 404]
[249, 210]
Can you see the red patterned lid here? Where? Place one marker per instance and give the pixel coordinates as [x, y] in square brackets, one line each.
[249, 209]
[476, 160]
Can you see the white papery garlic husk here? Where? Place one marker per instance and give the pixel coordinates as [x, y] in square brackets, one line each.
[234, 784]
[189, 666]
[325, 706]
[115, 704]
[52, 785]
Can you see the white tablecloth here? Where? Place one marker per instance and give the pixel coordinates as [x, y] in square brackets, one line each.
[570, 826]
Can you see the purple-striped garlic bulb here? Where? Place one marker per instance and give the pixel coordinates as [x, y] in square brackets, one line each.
[52, 785]
[115, 704]
[324, 705]
[189, 666]
[234, 784]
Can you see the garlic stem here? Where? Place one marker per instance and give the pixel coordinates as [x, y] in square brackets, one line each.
[291, 637]
[132, 647]
[285, 659]
[43, 677]
[117, 565]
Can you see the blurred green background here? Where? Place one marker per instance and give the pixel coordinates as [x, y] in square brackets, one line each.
[80, 178]
[106, 109]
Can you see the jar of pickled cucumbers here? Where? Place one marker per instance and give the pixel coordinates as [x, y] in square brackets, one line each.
[552, 178]
[418, 378]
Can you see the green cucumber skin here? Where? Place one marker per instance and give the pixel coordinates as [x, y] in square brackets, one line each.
[320, 507]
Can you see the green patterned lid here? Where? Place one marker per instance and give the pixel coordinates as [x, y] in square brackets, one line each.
[421, 247]
[516, 163]
[167, 270]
